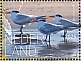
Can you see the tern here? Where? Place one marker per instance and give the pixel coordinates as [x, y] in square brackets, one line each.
[47, 28]
[22, 19]
[59, 20]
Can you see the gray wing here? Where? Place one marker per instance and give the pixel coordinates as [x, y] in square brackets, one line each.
[19, 17]
[22, 19]
[48, 29]
[53, 27]
[66, 23]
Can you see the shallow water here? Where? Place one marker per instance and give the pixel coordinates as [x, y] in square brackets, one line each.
[40, 48]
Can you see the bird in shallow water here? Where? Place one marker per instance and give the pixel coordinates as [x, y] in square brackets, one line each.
[59, 20]
[47, 28]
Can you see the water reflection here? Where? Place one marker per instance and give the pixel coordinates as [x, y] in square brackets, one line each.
[37, 46]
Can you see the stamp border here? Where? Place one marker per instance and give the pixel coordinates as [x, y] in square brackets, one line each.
[4, 58]
[79, 30]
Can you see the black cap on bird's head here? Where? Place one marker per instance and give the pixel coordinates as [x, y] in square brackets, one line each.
[15, 11]
[39, 20]
[42, 20]
[57, 15]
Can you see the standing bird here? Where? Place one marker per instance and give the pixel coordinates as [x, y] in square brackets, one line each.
[21, 19]
[59, 20]
[47, 28]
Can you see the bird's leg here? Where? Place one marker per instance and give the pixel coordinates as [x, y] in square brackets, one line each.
[21, 29]
[46, 39]
[49, 40]
[65, 32]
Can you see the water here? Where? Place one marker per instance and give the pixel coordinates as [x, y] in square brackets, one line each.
[40, 49]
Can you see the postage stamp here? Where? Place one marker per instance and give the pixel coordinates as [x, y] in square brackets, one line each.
[41, 30]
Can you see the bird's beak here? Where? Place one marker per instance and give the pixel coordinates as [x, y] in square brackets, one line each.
[50, 17]
[79, 10]
[6, 12]
[34, 21]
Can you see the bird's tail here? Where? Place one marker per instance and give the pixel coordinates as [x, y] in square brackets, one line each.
[41, 17]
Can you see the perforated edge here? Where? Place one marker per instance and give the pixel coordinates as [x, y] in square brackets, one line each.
[1, 30]
[35, 59]
[41, 0]
[79, 32]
